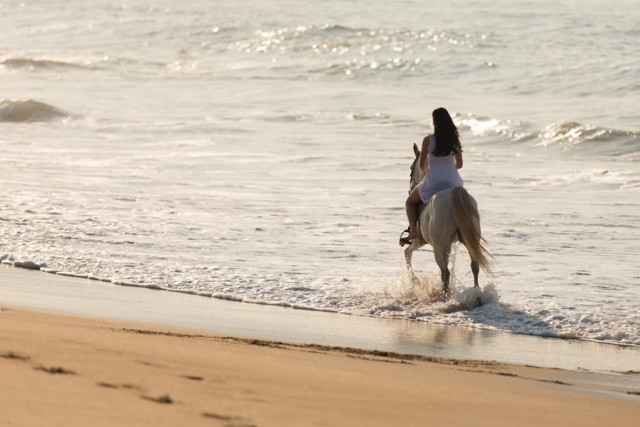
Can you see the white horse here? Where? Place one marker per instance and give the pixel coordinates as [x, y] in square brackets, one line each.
[451, 215]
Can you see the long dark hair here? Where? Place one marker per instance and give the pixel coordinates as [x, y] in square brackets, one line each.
[446, 132]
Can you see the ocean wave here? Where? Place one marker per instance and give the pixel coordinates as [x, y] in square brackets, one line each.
[566, 135]
[343, 51]
[18, 111]
[358, 66]
[481, 126]
[569, 135]
[38, 64]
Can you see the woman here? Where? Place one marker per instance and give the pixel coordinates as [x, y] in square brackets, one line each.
[444, 152]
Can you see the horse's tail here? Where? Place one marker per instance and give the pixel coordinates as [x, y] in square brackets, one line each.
[468, 222]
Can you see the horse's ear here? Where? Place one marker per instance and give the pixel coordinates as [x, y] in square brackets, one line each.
[416, 151]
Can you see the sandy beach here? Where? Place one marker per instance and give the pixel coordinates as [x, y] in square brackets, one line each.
[65, 370]
[62, 369]
[76, 352]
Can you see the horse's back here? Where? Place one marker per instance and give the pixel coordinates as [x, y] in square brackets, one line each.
[440, 225]
[438, 218]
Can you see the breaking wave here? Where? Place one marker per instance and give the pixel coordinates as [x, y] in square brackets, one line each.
[37, 64]
[21, 111]
[566, 135]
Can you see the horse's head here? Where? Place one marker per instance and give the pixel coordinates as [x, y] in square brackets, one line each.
[416, 174]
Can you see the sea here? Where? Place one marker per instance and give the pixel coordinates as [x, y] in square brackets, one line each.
[259, 152]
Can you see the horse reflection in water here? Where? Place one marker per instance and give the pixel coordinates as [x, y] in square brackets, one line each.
[450, 216]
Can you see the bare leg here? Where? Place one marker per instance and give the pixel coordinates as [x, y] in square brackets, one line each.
[412, 212]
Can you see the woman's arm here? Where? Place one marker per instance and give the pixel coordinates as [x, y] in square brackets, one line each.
[423, 155]
[457, 160]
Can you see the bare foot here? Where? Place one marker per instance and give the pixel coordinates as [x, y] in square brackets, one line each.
[407, 240]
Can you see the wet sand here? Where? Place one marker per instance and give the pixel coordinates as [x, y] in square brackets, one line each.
[61, 369]
[38, 290]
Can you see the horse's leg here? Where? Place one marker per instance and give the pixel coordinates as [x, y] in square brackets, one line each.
[442, 259]
[408, 253]
[475, 269]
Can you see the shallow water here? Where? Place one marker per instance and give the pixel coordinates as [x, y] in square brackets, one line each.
[36, 290]
[262, 153]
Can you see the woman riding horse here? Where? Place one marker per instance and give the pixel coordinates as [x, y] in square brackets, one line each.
[442, 151]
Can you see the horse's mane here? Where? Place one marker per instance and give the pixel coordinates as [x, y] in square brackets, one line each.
[413, 180]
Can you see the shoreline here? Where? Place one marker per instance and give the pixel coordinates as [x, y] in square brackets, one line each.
[59, 369]
[34, 289]
[60, 366]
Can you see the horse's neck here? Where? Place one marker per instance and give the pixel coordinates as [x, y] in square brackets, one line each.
[416, 179]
